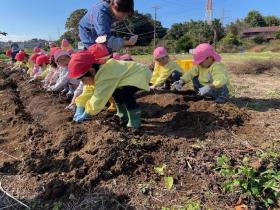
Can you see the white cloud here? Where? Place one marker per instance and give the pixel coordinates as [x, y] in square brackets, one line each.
[15, 38]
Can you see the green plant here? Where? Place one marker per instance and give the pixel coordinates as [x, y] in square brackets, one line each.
[57, 206]
[192, 204]
[260, 183]
[168, 180]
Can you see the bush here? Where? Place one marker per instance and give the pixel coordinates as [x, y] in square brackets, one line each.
[231, 39]
[185, 43]
[277, 35]
[259, 40]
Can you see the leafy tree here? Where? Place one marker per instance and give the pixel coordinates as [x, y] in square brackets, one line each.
[70, 37]
[255, 19]
[231, 40]
[237, 27]
[199, 31]
[185, 43]
[72, 22]
[272, 21]
[176, 31]
[141, 24]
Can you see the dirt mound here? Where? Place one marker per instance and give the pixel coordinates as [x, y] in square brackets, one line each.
[65, 160]
[256, 67]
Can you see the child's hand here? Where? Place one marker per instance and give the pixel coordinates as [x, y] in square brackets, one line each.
[133, 40]
[178, 85]
[71, 107]
[101, 39]
[204, 90]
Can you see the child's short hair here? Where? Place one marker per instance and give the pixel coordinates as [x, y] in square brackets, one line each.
[123, 5]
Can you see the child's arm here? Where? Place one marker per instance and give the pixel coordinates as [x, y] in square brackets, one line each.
[219, 76]
[104, 89]
[155, 74]
[189, 75]
[61, 83]
[164, 75]
[86, 95]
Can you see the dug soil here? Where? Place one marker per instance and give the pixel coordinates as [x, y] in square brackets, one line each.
[47, 161]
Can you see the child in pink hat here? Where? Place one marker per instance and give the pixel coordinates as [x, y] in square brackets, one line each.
[209, 76]
[165, 71]
[63, 83]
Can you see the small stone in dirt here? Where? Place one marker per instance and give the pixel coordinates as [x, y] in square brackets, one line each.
[72, 197]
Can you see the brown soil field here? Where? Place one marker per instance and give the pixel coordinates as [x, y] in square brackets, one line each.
[49, 162]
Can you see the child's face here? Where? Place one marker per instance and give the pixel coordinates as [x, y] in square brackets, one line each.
[207, 63]
[63, 61]
[87, 80]
[25, 60]
[162, 61]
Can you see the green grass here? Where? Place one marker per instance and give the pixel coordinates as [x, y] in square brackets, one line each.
[3, 57]
[227, 57]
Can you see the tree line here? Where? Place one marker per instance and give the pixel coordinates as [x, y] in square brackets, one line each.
[181, 36]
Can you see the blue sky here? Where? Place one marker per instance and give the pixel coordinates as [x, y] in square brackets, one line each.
[46, 18]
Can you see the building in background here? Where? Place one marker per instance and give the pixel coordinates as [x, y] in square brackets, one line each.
[267, 33]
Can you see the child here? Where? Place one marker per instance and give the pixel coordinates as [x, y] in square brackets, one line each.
[22, 61]
[37, 50]
[9, 53]
[121, 79]
[165, 71]
[83, 94]
[15, 49]
[32, 63]
[65, 46]
[62, 58]
[98, 20]
[52, 75]
[41, 64]
[210, 77]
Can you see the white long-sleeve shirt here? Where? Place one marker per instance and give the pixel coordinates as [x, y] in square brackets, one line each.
[64, 81]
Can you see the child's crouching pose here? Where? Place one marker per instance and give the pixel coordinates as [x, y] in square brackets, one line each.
[120, 79]
[209, 76]
[165, 71]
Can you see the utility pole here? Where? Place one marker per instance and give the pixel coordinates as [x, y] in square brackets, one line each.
[209, 11]
[156, 7]
[223, 17]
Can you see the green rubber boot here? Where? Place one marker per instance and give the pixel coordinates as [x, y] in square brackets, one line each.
[134, 118]
[121, 111]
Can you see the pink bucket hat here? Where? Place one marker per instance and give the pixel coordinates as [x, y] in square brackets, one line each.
[60, 53]
[160, 52]
[203, 51]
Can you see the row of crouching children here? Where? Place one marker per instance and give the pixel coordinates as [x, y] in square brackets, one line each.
[93, 77]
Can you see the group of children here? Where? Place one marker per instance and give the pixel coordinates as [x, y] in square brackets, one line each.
[94, 77]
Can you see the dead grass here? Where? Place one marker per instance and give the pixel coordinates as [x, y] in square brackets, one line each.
[255, 67]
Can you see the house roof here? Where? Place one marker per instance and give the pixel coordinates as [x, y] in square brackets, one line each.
[262, 29]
